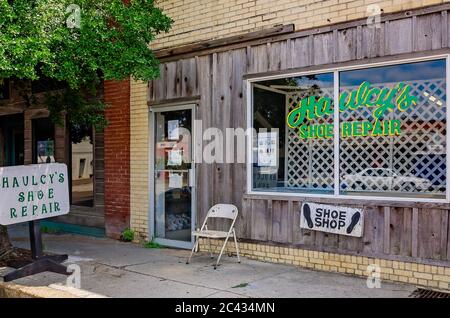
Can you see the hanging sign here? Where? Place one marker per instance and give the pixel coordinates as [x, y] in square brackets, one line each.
[33, 192]
[332, 219]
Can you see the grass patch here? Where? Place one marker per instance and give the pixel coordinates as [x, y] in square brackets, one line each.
[127, 235]
[153, 244]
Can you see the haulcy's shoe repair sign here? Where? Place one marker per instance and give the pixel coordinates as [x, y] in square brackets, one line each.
[33, 192]
[332, 219]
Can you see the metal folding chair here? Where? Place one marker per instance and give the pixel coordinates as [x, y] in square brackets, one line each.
[225, 211]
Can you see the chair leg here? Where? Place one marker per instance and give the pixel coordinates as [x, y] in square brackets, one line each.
[221, 252]
[194, 248]
[210, 250]
[236, 245]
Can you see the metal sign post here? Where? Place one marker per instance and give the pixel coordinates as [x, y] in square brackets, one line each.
[39, 262]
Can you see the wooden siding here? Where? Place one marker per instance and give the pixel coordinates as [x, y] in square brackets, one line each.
[397, 230]
[393, 233]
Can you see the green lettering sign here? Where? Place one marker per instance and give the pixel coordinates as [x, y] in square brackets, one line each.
[34, 209]
[13, 213]
[382, 100]
[24, 211]
[5, 182]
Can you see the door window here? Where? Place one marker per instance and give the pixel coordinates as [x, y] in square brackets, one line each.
[173, 174]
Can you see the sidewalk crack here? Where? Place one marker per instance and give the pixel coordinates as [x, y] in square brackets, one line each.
[170, 279]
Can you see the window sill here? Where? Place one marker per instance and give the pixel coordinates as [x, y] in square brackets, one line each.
[351, 200]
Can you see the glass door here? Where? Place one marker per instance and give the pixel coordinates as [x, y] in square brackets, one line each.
[173, 176]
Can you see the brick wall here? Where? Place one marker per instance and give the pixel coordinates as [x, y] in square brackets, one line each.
[117, 157]
[139, 134]
[199, 20]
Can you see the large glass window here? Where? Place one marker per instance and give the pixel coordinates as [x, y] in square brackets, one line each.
[393, 127]
[293, 147]
[392, 132]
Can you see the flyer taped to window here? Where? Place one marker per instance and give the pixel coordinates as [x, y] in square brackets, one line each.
[268, 149]
[173, 131]
[175, 158]
[175, 180]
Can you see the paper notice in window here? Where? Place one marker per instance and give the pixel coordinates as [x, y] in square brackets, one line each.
[172, 130]
[175, 180]
[175, 158]
[267, 149]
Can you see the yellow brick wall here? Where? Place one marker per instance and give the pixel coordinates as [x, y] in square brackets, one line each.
[435, 277]
[139, 160]
[199, 20]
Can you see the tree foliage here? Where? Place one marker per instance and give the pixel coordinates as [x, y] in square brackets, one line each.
[79, 43]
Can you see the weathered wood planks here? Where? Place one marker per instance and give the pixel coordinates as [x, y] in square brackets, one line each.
[405, 230]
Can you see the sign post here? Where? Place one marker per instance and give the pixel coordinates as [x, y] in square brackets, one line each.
[28, 194]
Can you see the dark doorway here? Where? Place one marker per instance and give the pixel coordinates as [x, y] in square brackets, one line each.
[11, 140]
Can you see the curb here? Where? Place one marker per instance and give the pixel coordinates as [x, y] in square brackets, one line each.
[10, 290]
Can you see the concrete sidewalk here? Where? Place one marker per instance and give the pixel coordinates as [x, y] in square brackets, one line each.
[117, 269]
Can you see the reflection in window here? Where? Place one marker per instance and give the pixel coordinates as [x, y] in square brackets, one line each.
[293, 148]
[82, 156]
[392, 122]
[392, 132]
[44, 141]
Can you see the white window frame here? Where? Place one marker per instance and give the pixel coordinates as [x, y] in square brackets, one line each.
[249, 97]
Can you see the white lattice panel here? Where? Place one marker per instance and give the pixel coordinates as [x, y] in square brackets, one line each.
[417, 155]
[419, 152]
[309, 162]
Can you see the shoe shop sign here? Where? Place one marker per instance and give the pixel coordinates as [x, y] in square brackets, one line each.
[332, 219]
[33, 192]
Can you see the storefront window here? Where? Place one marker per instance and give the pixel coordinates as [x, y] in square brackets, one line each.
[393, 127]
[293, 149]
[392, 132]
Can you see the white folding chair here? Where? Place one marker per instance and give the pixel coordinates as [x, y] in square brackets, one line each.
[225, 211]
